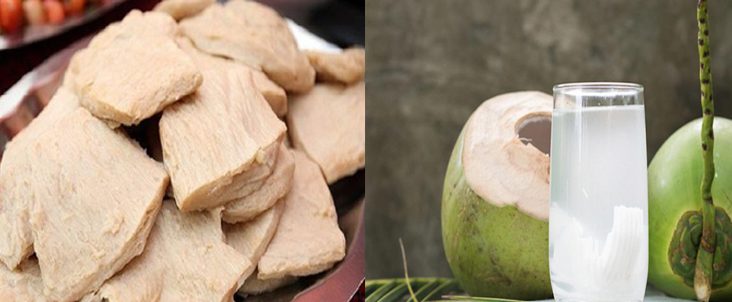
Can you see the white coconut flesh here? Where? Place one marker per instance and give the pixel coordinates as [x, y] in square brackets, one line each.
[505, 151]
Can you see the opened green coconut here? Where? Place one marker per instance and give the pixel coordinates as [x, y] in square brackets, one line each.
[495, 202]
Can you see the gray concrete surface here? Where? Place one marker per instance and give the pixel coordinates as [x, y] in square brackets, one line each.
[431, 63]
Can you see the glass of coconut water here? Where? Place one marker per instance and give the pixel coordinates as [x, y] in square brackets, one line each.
[598, 221]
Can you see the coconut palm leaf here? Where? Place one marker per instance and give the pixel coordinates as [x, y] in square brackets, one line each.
[393, 290]
[417, 289]
[473, 299]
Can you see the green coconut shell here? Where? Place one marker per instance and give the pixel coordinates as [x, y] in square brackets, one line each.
[492, 251]
[674, 179]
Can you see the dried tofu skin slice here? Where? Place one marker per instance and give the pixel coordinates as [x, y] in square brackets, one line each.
[215, 142]
[186, 259]
[347, 67]
[94, 195]
[329, 124]
[16, 239]
[180, 9]
[133, 69]
[308, 239]
[274, 188]
[255, 35]
[273, 93]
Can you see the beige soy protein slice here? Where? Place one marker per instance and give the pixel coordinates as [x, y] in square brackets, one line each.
[16, 240]
[275, 187]
[133, 69]
[180, 9]
[255, 286]
[23, 284]
[308, 239]
[328, 124]
[221, 142]
[274, 94]
[61, 104]
[255, 35]
[186, 259]
[347, 67]
[94, 195]
[252, 238]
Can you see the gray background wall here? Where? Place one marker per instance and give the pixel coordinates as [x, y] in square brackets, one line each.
[431, 63]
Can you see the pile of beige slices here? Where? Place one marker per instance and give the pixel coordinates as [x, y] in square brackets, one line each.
[226, 197]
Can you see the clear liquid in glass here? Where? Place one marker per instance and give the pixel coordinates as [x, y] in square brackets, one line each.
[598, 226]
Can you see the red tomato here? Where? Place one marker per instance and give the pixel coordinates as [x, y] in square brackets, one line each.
[74, 7]
[34, 13]
[11, 15]
[54, 11]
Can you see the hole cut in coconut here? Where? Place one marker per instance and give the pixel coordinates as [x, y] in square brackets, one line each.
[536, 130]
[505, 151]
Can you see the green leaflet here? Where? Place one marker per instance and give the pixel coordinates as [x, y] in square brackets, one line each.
[393, 290]
[426, 289]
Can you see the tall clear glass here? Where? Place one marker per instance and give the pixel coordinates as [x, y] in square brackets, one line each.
[598, 221]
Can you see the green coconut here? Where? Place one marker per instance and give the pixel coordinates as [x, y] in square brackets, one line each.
[495, 202]
[690, 235]
[674, 192]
